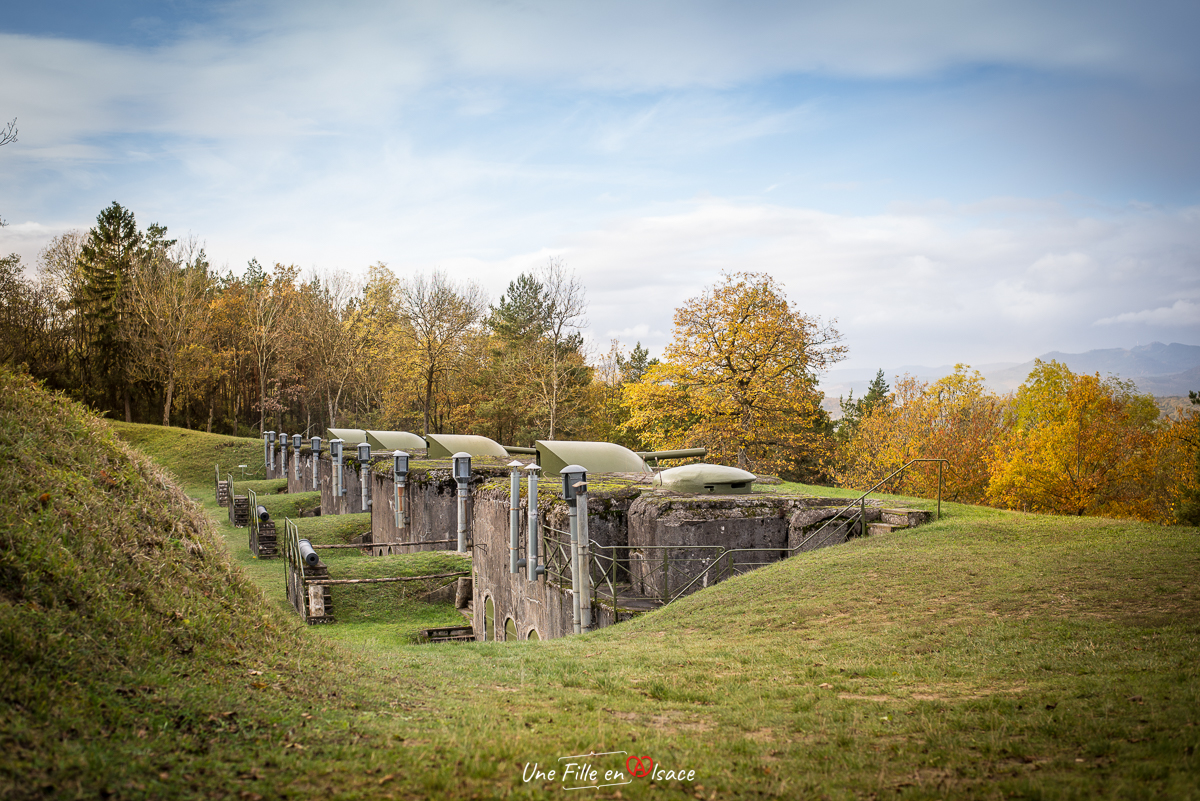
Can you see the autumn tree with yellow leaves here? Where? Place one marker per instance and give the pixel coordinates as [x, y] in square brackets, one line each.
[955, 418]
[739, 378]
[1079, 445]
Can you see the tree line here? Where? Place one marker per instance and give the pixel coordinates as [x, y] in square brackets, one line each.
[141, 327]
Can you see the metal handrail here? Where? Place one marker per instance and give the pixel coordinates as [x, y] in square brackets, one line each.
[860, 500]
[252, 510]
[293, 563]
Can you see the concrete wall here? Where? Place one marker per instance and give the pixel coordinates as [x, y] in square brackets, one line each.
[815, 526]
[675, 539]
[347, 504]
[431, 505]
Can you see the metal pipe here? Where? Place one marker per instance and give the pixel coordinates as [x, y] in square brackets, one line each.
[573, 515]
[522, 451]
[462, 518]
[514, 515]
[263, 514]
[533, 569]
[398, 502]
[685, 453]
[364, 475]
[585, 562]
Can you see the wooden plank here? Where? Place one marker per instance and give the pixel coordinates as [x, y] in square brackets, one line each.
[330, 582]
[316, 601]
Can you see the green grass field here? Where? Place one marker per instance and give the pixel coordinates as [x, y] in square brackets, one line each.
[988, 655]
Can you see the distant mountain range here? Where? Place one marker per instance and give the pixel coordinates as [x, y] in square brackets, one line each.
[1157, 369]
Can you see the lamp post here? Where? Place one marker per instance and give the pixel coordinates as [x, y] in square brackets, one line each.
[462, 475]
[316, 462]
[533, 569]
[335, 458]
[573, 474]
[364, 475]
[585, 560]
[283, 443]
[399, 476]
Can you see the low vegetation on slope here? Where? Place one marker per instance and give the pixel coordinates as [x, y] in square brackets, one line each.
[990, 655]
[120, 611]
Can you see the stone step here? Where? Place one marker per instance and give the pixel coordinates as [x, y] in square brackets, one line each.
[906, 517]
[875, 529]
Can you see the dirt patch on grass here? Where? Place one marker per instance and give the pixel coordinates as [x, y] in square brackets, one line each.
[666, 722]
[856, 697]
[765, 735]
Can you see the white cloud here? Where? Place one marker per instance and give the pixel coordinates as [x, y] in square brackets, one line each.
[934, 288]
[1183, 313]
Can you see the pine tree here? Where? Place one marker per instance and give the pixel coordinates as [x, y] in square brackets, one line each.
[106, 262]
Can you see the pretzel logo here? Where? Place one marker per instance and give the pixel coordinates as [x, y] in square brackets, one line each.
[639, 766]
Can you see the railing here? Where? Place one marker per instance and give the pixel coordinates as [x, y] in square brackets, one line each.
[293, 568]
[557, 556]
[665, 573]
[861, 499]
[835, 517]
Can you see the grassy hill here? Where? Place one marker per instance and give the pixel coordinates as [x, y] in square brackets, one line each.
[989, 655]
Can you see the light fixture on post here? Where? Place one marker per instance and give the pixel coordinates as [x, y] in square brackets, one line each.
[573, 474]
[297, 444]
[462, 475]
[335, 457]
[364, 475]
[399, 477]
[585, 560]
[316, 462]
[533, 569]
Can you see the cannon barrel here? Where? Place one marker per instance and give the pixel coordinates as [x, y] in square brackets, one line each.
[308, 554]
[685, 453]
[263, 514]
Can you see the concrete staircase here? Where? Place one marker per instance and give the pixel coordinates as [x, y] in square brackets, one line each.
[897, 520]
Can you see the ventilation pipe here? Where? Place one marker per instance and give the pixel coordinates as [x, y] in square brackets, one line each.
[585, 557]
[263, 514]
[534, 570]
[462, 474]
[316, 462]
[283, 443]
[514, 515]
[297, 444]
[364, 474]
[270, 452]
[399, 476]
[573, 474]
[335, 458]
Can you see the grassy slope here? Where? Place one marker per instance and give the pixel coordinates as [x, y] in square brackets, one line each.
[988, 655]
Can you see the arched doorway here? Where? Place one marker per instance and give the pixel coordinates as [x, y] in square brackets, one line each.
[489, 619]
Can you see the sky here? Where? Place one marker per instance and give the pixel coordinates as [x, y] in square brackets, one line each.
[942, 181]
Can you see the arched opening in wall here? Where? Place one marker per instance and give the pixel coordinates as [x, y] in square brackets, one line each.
[489, 619]
[532, 635]
[510, 630]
